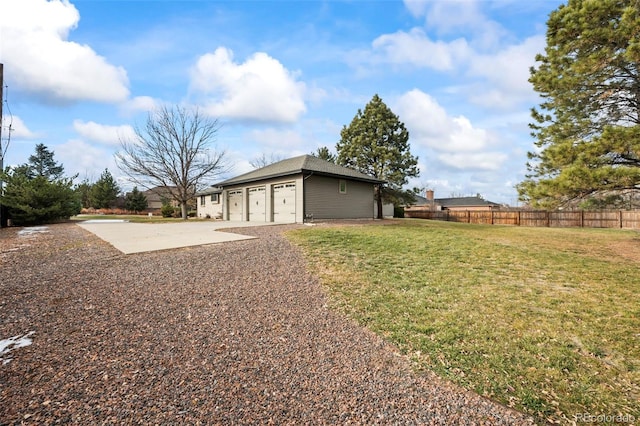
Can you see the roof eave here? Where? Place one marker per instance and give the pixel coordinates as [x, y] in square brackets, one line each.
[337, 175]
[232, 182]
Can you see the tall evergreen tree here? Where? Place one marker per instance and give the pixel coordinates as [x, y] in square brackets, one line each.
[42, 164]
[37, 192]
[323, 153]
[83, 189]
[588, 125]
[135, 200]
[105, 191]
[376, 143]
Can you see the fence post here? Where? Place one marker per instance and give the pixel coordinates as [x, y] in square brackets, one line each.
[548, 218]
[492, 217]
[620, 214]
[581, 218]
[518, 219]
[468, 216]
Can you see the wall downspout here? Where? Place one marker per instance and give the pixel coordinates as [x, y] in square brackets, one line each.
[304, 199]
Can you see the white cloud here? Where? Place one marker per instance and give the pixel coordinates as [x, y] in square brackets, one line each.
[140, 104]
[474, 160]
[84, 159]
[40, 60]
[455, 14]
[19, 130]
[109, 135]
[281, 141]
[417, 49]
[430, 125]
[510, 84]
[451, 16]
[260, 89]
[417, 8]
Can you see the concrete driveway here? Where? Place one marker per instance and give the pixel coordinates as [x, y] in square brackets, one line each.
[129, 237]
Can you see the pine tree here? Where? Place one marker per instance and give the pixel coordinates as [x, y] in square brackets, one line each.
[136, 201]
[588, 126]
[377, 143]
[37, 192]
[323, 153]
[105, 191]
[83, 189]
[42, 164]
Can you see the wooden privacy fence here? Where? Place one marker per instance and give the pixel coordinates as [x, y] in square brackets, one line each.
[561, 219]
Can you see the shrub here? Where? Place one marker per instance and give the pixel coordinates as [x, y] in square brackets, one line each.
[167, 210]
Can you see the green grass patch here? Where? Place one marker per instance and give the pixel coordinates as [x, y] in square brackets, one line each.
[544, 320]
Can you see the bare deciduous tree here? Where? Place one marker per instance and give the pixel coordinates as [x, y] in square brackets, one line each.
[174, 150]
[264, 160]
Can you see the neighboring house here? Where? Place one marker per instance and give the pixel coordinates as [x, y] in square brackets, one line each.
[209, 203]
[454, 203]
[157, 194]
[298, 189]
[466, 203]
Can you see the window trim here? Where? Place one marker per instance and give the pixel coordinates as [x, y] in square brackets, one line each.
[342, 186]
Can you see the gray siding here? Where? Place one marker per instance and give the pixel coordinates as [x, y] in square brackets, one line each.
[323, 199]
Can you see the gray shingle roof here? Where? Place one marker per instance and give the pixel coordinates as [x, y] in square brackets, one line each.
[296, 165]
[464, 202]
[209, 190]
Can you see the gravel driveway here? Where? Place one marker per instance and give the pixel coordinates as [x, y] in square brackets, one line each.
[233, 333]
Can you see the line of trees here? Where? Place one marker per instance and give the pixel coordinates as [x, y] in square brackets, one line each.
[174, 151]
[39, 192]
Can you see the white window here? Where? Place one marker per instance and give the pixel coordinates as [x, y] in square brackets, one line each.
[202, 200]
[342, 186]
[215, 199]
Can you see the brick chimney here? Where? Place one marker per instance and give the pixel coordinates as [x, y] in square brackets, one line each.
[430, 199]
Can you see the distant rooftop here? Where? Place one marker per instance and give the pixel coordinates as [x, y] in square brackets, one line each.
[464, 202]
[209, 190]
[474, 201]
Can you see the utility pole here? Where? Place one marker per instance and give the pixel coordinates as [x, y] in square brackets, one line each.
[2, 219]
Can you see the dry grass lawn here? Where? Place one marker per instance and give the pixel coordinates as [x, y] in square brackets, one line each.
[543, 320]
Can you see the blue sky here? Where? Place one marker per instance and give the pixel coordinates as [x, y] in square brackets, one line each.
[282, 76]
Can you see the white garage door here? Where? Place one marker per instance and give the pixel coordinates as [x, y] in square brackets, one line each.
[284, 203]
[257, 204]
[234, 201]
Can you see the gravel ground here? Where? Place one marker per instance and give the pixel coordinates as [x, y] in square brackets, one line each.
[234, 333]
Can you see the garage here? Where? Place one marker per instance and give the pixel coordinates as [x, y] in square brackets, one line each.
[257, 204]
[234, 202]
[296, 190]
[284, 203]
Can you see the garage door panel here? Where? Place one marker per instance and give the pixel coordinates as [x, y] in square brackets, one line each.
[284, 203]
[258, 204]
[235, 205]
